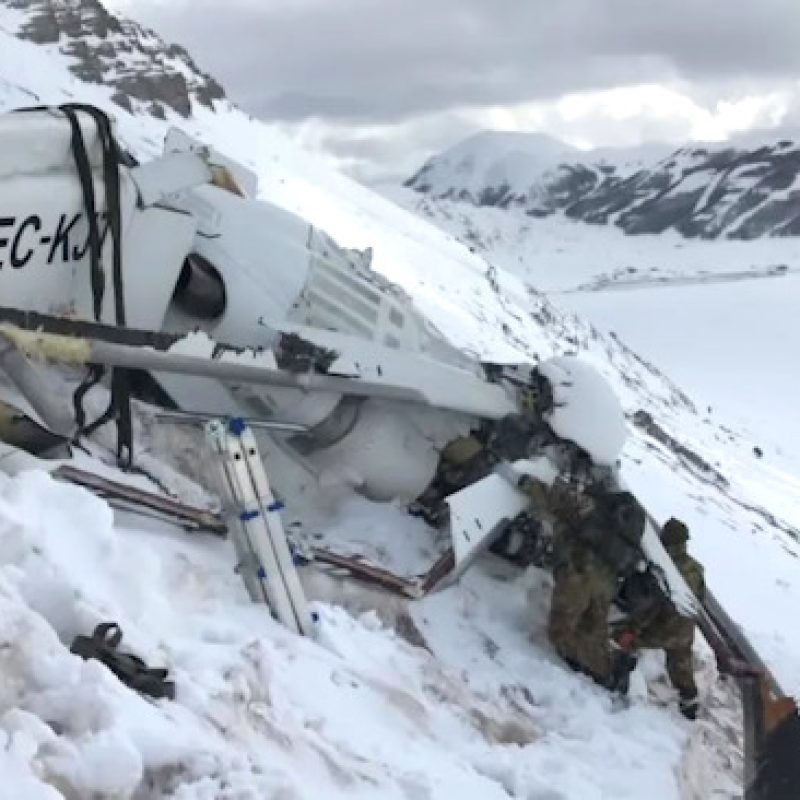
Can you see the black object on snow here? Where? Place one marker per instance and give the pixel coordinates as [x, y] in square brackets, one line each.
[130, 669]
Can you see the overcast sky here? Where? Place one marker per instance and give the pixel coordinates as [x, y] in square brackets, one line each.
[378, 85]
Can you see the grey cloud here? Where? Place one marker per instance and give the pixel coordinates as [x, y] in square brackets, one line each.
[393, 152]
[385, 83]
[387, 60]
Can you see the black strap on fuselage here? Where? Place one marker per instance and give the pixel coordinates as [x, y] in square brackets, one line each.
[84, 171]
[119, 408]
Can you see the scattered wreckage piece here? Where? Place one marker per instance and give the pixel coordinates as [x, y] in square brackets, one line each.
[131, 498]
[413, 588]
[771, 719]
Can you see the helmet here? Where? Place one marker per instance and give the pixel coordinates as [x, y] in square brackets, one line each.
[674, 532]
[534, 391]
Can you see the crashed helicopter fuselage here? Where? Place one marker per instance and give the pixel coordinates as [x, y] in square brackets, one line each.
[251, 311]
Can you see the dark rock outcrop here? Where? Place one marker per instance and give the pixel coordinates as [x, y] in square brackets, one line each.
[119, 53]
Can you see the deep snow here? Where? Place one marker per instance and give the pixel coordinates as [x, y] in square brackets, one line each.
[263, 713]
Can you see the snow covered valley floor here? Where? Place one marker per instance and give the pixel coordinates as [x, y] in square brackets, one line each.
[732, 345]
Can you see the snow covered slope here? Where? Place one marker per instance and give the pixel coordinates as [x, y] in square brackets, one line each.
[486, 710]
[708, 191]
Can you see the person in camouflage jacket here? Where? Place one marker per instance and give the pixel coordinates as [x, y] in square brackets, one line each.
[654, 623]
[583, 589]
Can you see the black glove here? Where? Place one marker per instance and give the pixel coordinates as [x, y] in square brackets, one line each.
[511, 474]
[689, 705]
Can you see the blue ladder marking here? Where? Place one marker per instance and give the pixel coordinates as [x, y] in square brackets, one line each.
[246, 516]
[237, 426]
[278, 505]
[298, 559]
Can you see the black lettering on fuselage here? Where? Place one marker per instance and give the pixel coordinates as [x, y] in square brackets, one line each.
[29, 238]
[5, 222]
[103, 224]
[17, 260]
[61, 238]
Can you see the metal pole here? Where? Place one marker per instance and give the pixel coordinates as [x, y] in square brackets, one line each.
[201, 417]
[71, 350]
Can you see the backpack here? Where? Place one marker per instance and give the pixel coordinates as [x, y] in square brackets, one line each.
[614, 530]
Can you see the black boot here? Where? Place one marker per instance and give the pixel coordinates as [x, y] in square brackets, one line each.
[623, 664]
[688, 704]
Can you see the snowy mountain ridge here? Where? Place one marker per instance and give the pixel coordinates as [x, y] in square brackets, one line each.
[485, 710]
[104, 49]
[731, 190]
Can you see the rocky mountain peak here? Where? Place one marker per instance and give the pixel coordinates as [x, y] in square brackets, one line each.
[707, 191]
[146, 73]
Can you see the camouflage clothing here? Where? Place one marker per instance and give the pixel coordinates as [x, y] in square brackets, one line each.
[583, 589]
[563, 504]
[584, 586]
[657, 625]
